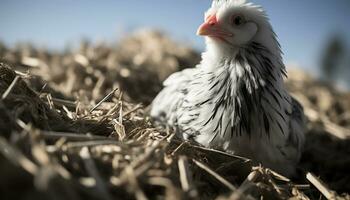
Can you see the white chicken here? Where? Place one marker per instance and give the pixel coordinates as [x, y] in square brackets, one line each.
[235, 99]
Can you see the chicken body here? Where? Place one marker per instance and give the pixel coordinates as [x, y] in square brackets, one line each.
[235, 100]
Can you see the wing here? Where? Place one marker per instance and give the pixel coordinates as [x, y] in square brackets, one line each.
[164, 107]
[297, 126]
[293, 147]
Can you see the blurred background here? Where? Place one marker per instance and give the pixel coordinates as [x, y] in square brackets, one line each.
[314, 34]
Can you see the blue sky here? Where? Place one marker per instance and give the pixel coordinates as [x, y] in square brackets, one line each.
[302, 26]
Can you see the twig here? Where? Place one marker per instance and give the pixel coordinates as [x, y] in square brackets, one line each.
[49, 101]
[22, 74]
[123, 178]
[16, 157]
[98, 86]
[329, 194]
[302, 186]
[91, 143]
[215, 175]
[178, 148]
[104, 99]
[113, 109]
[221, 152]
[247, 183]
[332, 128]
[170, 136]
[137, 107]
[314, 115]
[9, 89]
[33, 62]
[251, 178]
[136, 164]
[62, 102]
[278, 176]
[184, 173]
[336, 130]
[139, 194]
[71, 136]
[148, 153]
[275, 186]
[81, 59]
[93, 172]
[165, 182]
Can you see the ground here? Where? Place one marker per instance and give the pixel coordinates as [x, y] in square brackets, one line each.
[74, 125]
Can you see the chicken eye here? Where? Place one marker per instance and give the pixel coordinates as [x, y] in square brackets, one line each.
[238, 20]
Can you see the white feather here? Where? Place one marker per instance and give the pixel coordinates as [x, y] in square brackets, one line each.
[208, 103]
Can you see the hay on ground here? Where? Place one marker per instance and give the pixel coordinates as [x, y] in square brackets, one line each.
[74, 126]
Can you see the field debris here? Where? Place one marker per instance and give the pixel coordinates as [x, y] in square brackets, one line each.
[74, 125]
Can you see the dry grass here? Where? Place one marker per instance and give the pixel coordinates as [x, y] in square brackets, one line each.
[74, 126]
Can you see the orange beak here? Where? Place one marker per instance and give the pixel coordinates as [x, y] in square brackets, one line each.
[212, 28]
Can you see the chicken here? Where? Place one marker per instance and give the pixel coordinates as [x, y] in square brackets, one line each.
[235, 99]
